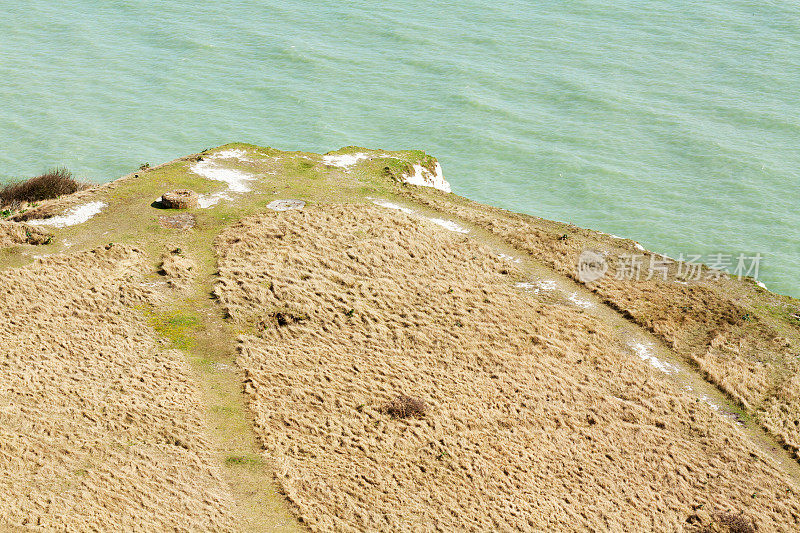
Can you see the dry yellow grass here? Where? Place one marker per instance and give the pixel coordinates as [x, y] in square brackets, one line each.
[177, 268]
[536, 419]
[99, 425]
[719, 325]
[12, 233]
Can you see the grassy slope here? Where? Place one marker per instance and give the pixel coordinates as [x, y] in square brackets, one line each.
[189, 320]
[192, 322]
[741, 337]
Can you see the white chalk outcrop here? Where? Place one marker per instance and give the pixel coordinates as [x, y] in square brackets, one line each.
[424, 177]
[211, 168]
[344, 160]
[76, 215]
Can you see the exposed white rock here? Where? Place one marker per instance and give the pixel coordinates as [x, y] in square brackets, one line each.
[76, 215]
[424, 177]
[231, 153]
[210, 168]
[580, 302]
[645, 353]
[511, 258]
[448, 224]
[343, 160]
[391, 205]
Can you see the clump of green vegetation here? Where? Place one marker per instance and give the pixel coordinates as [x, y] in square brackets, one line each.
[242, 460]
[51, 184]
[177, 328]
[395, 169]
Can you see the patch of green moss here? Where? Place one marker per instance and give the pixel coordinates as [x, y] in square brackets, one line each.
[177, 327]
[243, 460]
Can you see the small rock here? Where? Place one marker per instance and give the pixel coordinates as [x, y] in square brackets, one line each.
[180, 199]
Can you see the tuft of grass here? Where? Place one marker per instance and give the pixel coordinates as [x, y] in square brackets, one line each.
[51, 184]
[406, 407]
[232, 460]
[731, 523]
[283, 317]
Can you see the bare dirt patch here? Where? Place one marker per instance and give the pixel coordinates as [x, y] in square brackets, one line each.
[178, 221]
[535, 418]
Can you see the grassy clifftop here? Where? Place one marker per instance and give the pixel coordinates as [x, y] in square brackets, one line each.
[232, 366]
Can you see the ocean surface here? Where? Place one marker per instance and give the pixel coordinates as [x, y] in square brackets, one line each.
[674, 123]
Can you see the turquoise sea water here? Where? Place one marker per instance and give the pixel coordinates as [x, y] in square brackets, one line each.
[674, 123]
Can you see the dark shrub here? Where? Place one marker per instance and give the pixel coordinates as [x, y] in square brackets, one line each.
[406, 407]
[51, 184]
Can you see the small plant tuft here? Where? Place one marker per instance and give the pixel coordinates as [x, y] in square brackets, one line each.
[284, 317]
[237, 460]
[51, 184]
[406, 407]
[731, 523]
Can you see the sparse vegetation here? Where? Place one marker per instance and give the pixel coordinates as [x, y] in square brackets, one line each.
[406, 407]
[730, 523]
[284, 317]
[232, 460]
[13, 233]
[51, 184]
